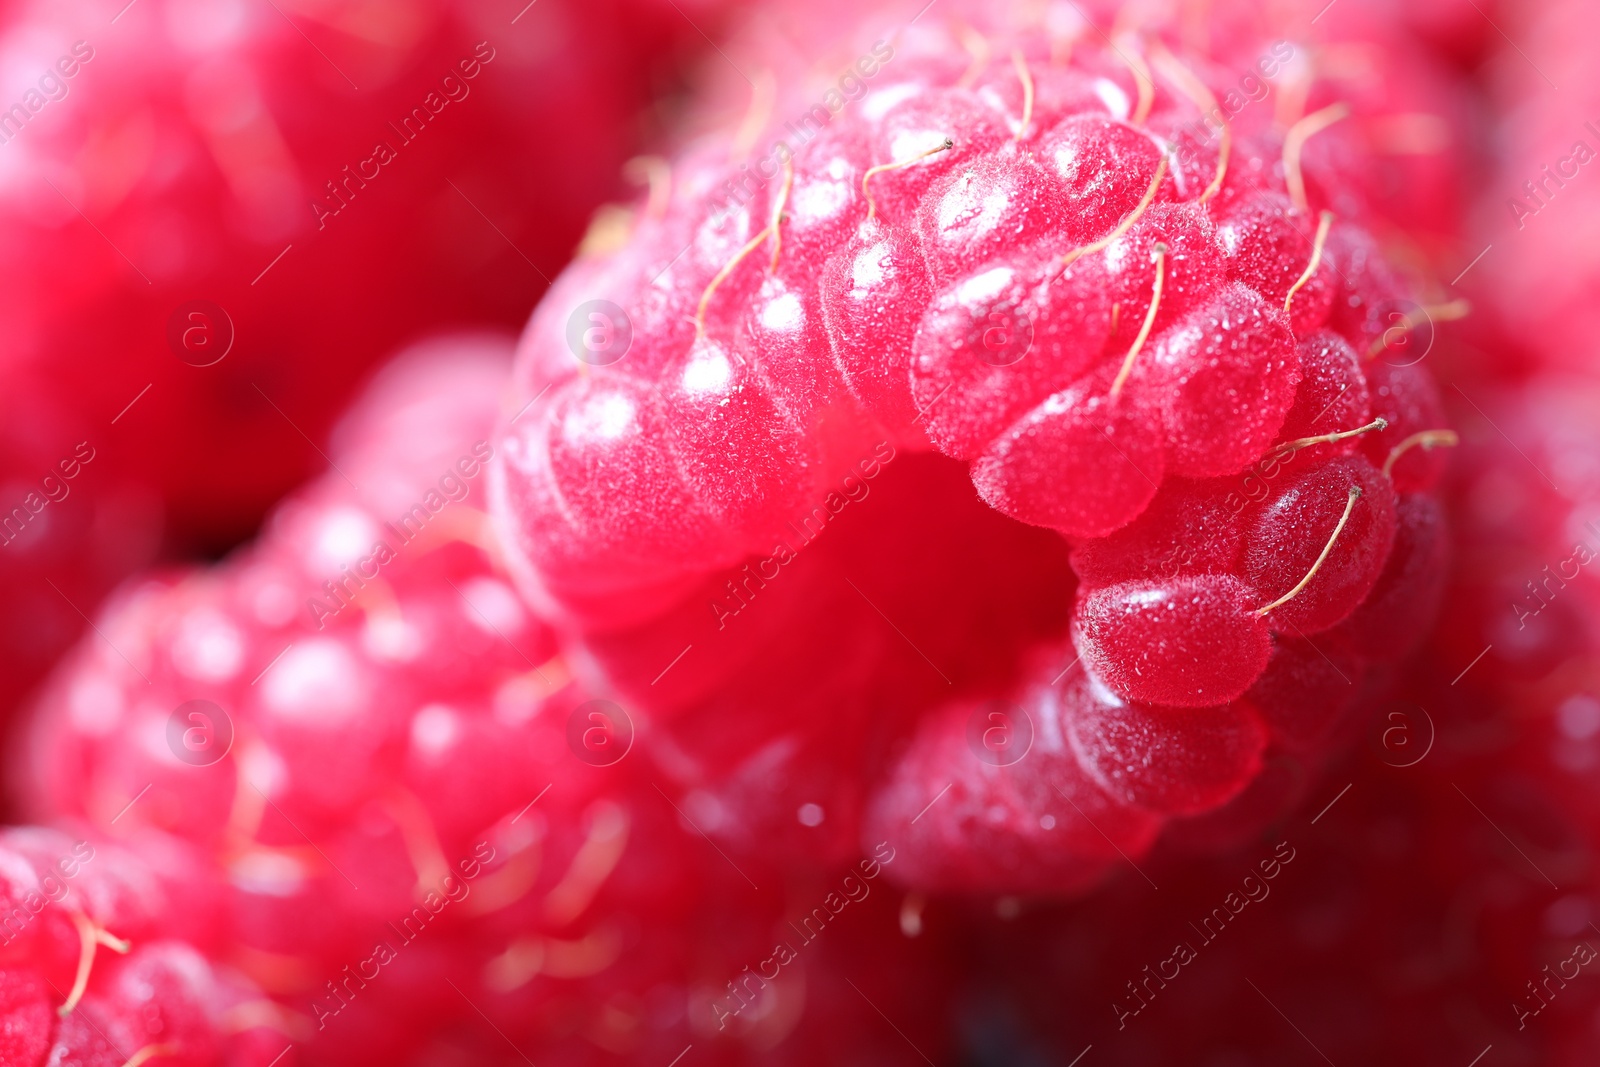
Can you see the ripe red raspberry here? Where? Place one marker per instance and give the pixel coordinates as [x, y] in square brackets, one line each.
[199, 149]
[195, 145]
[399, 760]
[360, 796]
[1218, 377]
[98, 964]
[1122, 323]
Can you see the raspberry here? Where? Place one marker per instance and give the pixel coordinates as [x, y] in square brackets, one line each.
[1396, 616]
[91, 969]
[202, 178]
[591, 906]
[1190, 528]
[393, 732]
[1014, 269]
[1184, 642]
[1430, 828]
[1162, 759]
[1039, 316]
[1200, 634]
[1407, 399]
[413, 750]
[1201, 638]
[1332, 393]
[1277, 551]
[984, 244]
[269, 137]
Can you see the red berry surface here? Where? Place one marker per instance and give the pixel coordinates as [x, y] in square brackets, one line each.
[948, 574]
[1045, 270]
[411, 818]
[175, 153]
[98, 963]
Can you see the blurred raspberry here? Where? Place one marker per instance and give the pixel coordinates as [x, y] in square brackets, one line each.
[157, 163]
[94, 968]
